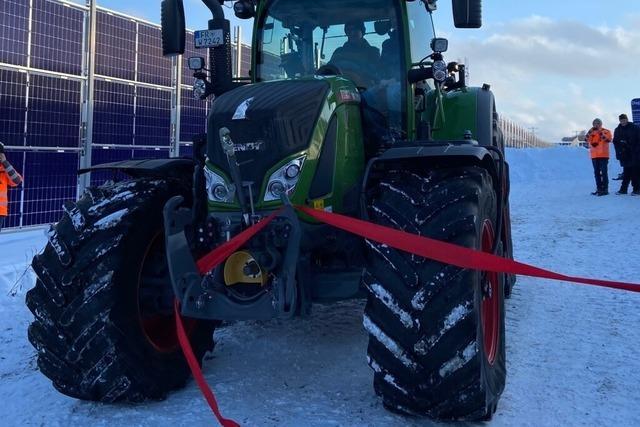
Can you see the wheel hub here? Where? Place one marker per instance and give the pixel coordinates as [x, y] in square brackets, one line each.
[490, 299]
[155, 298]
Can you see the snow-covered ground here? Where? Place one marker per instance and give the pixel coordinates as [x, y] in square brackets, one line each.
[572, 349]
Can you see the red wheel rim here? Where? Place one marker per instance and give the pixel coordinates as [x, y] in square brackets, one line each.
[159, 328]
[490, 299]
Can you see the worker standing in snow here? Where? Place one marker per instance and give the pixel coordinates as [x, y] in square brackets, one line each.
[8, 178]
[626, 140]
[598, 139]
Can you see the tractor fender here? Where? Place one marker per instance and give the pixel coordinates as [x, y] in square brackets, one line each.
[471, 109]
[421, 156]
[452, 154]
[149, 168]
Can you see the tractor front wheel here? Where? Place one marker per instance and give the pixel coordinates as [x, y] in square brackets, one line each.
[103, 304]
[437, 337]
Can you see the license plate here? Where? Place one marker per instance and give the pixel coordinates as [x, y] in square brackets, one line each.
[209, 38]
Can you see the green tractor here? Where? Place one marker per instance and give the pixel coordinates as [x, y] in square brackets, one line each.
[350, 108]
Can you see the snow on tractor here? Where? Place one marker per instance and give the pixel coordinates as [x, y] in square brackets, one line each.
[350, 108]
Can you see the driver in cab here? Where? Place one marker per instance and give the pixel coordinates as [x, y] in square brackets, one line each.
[356, 58]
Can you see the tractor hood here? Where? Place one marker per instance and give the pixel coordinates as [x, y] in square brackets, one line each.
[268, 122]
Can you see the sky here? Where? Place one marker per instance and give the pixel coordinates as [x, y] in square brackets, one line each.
[553, 65]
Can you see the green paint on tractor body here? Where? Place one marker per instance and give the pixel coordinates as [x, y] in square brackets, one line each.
[349, 158]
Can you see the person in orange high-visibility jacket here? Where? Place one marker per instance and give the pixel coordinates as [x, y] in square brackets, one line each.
[8, 178]
[598, 140]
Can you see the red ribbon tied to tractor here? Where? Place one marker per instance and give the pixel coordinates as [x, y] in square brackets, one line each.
[436, 250]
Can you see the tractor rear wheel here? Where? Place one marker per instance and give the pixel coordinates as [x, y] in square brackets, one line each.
[437, 337]
[104, 327]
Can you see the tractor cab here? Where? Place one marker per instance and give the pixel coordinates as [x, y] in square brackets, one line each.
[363, 42]
[376, 45]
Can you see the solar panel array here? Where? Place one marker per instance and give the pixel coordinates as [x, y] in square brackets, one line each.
[41, 98]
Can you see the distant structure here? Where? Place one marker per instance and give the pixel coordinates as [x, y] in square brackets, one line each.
[571, 141]
[577, 140]
[516, 136]
[635, 110]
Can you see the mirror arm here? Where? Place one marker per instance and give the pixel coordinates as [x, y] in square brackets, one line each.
[215, 6]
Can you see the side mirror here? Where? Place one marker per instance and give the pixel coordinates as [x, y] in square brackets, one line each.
[173, 27]
[244, 9]
[467, 13]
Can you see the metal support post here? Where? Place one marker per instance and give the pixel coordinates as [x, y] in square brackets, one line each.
[26, 110]
[87, 94]
[176, 101]
[238, 41]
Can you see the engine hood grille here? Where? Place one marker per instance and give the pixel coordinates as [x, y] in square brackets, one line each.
[268, 122]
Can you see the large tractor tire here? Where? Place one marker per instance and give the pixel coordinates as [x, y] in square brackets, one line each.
[104, 326]
[436, 332]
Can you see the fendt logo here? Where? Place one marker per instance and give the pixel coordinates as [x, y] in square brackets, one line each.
[249, 146]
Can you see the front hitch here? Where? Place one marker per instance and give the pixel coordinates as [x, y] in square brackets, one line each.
[204, 297]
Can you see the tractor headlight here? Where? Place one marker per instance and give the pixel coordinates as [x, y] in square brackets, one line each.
[217, 188]
[220, 192]
[292, 171]
[439, 70]
[199, 89]
[284, 180]
[276, 188]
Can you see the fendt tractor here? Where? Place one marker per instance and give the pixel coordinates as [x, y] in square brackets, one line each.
[351, 108]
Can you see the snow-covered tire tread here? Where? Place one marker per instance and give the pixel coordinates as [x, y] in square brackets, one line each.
[427, 312]
[86, 331]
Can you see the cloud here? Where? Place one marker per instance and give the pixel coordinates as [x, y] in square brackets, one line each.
[566, 48]
[556, 75]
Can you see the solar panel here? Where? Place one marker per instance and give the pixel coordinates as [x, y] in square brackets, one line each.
[245, 60]
[115, 46]
[153, 116]
[54, 112]
[113, 113]
[14, 15]
[152, 66]
[56, 39]
[193, 116]
[49, 180]
[13, 87]
[189, 51]
[186, 151]
[151, 154]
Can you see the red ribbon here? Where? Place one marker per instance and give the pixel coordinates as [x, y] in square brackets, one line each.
[448, 253]
[194, 365]
[436, 250]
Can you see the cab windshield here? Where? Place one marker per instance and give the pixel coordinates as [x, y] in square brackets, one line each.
[358, 39]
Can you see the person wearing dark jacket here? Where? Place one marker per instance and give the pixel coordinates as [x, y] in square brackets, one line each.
[357, 59]
[626, 140]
